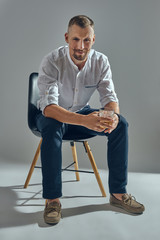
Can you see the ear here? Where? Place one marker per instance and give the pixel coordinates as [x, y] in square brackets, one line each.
[94, 39]
[66, 37]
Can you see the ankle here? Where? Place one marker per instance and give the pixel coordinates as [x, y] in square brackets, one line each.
[118, 195]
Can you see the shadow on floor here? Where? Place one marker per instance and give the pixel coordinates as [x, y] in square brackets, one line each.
[11, 217]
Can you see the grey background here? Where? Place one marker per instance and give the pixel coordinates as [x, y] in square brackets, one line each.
[127, 31]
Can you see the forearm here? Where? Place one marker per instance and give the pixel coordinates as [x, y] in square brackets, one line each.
[62, 115]
[114, 106]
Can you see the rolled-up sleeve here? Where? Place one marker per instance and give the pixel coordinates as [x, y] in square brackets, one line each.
[47, 84]
[105, 86]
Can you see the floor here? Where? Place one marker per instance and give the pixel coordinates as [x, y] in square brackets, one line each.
[86, 215]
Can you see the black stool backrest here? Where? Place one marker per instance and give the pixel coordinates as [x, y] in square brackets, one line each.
[33, 97]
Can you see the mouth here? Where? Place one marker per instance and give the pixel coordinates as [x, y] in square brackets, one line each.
[79, 52]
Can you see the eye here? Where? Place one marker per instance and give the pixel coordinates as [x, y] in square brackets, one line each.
[87, 40]
[75, 39]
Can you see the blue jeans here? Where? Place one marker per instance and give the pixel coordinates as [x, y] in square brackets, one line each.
[53, 132]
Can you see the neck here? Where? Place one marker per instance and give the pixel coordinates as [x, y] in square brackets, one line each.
[80, 65]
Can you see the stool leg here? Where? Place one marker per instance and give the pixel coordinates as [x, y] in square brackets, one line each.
[74, 153]
[33, 164]
[93, 164]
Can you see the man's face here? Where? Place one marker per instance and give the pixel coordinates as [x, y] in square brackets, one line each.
[80, 41]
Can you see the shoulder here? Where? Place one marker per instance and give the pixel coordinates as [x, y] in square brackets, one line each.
[55, 58]
[57, 54]
[98, 57]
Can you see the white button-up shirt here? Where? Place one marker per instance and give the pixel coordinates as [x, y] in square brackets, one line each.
[60, 81]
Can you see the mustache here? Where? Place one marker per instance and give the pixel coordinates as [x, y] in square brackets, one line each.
[80, 51]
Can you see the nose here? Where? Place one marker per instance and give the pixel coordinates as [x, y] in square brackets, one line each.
[81, 44]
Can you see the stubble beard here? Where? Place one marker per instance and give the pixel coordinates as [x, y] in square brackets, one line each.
[80, 57]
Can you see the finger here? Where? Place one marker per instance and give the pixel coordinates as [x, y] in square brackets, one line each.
[99, 129]
[106, 118]
[106, 124]
[108, 130]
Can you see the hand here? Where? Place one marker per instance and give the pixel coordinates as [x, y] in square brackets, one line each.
[112, 124]
[94, 122]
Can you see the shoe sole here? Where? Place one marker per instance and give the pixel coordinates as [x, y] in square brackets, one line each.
[120, 206]
[51, 222]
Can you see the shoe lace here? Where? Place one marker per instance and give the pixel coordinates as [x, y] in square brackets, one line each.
[52, 207]
[128, 198]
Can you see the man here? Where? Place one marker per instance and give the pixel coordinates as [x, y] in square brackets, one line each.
[68, 76]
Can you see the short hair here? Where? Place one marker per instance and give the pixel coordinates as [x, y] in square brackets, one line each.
[82, 21]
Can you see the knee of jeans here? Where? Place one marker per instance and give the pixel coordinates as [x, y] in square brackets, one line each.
[123, 122]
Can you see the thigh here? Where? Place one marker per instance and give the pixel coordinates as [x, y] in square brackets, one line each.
[45, 124]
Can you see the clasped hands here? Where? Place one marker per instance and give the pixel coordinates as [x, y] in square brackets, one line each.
[100, 124]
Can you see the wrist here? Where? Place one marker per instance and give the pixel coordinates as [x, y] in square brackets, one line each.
[82, 119]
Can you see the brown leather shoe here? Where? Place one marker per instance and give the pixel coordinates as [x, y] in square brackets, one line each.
[128, 203]
[52, 213]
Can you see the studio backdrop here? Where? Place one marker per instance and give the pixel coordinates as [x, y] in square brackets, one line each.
[127, 31]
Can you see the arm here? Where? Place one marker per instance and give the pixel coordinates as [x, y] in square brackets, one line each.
[108, 97]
